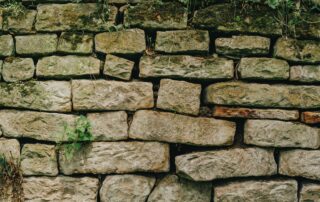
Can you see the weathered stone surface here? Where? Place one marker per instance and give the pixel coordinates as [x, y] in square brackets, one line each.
[10, 149]
[310, 117]
[22, 23]
[35, 125]
[76, 43]
[263, 69]
[180, 190]
[179, 66]
[109, 126]
[39, 159]
[7, 45]
[243, 46]
[60, 188]
[303, 163]
[210, 165]
[67, 66]
[262, 190]
[263, 95]
[38, 44]
[179, 96]
[183, 41]
[307, 73]
[297, 50]
[310, 192]
[238, 112]
[309, 27]
[38, 95]
[122, 157]
[227, 18]
[157, 15]
[17, 69]
[126, 188]
[129, 41]
[1, 63]
[169, 127]
[272, 133]
[111, 95]
[118, 67]
[73, 17]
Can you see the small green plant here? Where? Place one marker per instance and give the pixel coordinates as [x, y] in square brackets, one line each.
[13, 8]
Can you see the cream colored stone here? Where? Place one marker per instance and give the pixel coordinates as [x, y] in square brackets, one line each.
[18, 69]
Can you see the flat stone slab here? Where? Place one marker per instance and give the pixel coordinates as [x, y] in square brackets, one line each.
[169, 127]
[126, 188]
[122, 157]
[111, 95]
[227, 163]
[272, 133]
[302, 163]
[118, 67]
[306, 73]
[266, 190]
[182, 66]
[21, 23]
[263, 95]
[180, 190]
[310, 117]
[60, 188]
[17, 69]
[67, 66]
[263, 69]
[7, 45]
[10, 149]
[189, 41]
[238, 112]
[75, 43]
[52, 96]
[310, 192]
[73, 16]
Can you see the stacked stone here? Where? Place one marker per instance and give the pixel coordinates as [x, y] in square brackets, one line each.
[188, 115]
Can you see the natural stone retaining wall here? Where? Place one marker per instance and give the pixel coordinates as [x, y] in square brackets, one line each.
[190, 103]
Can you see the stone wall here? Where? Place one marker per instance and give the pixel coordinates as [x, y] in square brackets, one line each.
[212, 104]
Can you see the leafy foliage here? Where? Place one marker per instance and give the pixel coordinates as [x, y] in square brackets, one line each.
[13, 7]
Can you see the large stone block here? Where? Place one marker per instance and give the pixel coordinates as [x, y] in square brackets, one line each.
[75, 43]
[306, 73]
[237, 162]
[7, 45]
[21, 23]
[262, 190]
[117, 157]
[118, 67]
[180, 66]
[263, 95]
[17, 69]
[73, 17]
[272, 133]
[126, 188]
[169, 127]
[111, 95]
[37, 44]
[310, 192]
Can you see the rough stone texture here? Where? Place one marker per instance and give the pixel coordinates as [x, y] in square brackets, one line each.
[7, 45]
[297, 50]
[75, 43]
[22, 23]
[310, 29]
[263, 69]
[118, 67]
[73, 17]
[307, 73]
[64, 189]
[17, 69]
[179, 96]
[111, 95]
[180, 66]
[238, 112]
[310, 117]
[109, 126]
[263, 95]
[67, 66]
[243, 46]
[35, 125]
[304, 163]
[271, 133]
[169, 127]
[37, 95]
[123, 157]
[172, 188]
[236, 162]
[183, 41]
[310, 192]
[38, 44]
[262, 190]
[227, 18]
[153, 15]
[1, 63]
[126, 188]
[39, 159]
[10, 149]
[129, 41]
